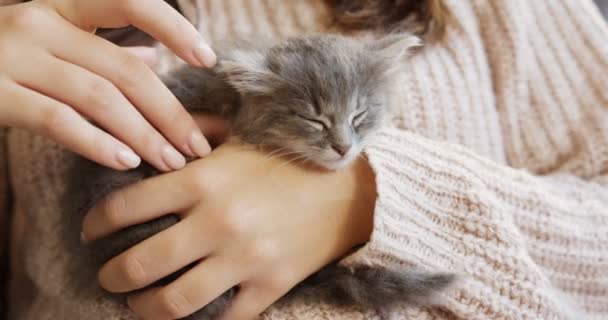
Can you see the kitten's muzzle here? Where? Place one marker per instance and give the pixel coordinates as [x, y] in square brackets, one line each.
[342, 149]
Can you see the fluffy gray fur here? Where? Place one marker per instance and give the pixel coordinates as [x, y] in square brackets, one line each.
[317, 96]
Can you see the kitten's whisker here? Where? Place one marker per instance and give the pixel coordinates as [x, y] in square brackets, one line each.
[292, 160]
[288, 154]
[307, 160]
[277, 150]
[277, 154]
[273, 154]
[285, 154]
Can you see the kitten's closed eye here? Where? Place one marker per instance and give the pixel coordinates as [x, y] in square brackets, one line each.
[315, 123]
[359, 118]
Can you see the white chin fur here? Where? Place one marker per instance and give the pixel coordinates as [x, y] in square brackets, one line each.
[335, 165]
[339, 163]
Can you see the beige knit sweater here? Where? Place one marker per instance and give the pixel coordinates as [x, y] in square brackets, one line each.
[496, 166]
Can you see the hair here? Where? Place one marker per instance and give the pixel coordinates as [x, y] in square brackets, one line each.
[424, 18]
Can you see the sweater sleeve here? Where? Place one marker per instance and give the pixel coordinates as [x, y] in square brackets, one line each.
[528, 236]
[521, 241]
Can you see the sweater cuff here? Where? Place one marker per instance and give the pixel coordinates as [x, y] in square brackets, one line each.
[441, 207]
[406, 206]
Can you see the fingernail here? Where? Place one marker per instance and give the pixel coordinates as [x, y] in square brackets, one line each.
[172, 158]
[83, 238]
[128, 159]
[199, 144]
[204, 54]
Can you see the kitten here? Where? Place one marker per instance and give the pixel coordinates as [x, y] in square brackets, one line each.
[319, 96]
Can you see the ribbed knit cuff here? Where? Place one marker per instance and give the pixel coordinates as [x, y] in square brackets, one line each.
[441, 207]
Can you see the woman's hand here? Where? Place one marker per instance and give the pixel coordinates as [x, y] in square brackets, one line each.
[54, 71]
[252, 220]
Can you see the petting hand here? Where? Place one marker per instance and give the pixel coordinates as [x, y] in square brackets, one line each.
[252, 220]
[54, 71]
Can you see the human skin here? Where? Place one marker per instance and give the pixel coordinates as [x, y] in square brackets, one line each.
[54, 73]
[249, 219]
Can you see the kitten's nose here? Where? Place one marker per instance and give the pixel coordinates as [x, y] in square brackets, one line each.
[342, 149]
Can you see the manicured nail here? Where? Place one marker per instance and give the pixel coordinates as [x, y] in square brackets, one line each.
[83, 238]
[199, 144]
[128, 159]
[204, 54]
[172, 158]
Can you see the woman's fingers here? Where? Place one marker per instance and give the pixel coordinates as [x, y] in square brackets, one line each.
[128, 99]
[99, 100]
[155, 258]
[214, 127]
[148, 55]
[133, 204]
[190, 292]
[155, 17]
[137, 82]
[41, 114]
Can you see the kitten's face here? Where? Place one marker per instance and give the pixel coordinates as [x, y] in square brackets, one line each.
[318, 98]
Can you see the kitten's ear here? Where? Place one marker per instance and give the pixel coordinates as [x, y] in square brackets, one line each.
[247, 72]
[395, 46]
[389, 52]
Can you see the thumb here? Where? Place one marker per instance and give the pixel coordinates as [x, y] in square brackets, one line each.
[148, 54]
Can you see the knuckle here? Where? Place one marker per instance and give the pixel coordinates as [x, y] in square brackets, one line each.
[99, 93]
[131, 70]
[26, 17]
[180, 118]
[263, 250]
[51, 119]
[199, 184]
[113, 207]
[175, 304]
[128, 7]
[148, 136]
[232, 221]
[133, 271]
[205, 178]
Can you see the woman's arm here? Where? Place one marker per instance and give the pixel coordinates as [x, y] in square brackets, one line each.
[514, 235]
[532, 240]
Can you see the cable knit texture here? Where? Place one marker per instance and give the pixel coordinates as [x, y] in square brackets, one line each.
[496, 167]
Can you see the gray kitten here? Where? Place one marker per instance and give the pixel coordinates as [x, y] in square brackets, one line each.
[318, 96]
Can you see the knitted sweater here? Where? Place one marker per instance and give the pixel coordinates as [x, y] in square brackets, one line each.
[496, 167]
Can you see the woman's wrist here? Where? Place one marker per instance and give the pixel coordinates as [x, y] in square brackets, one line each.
[354, 188]
[364, 201]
